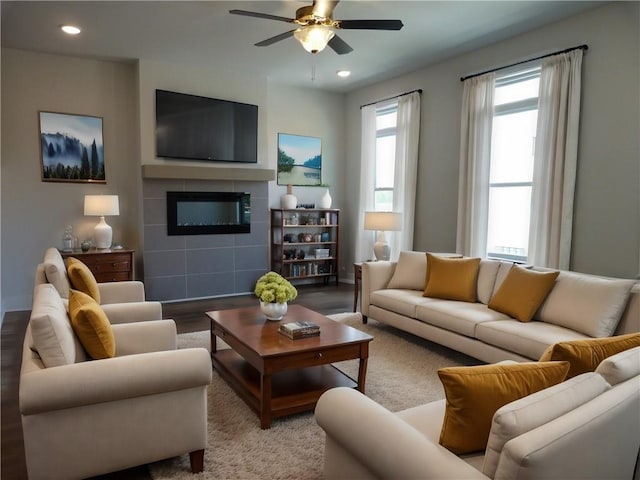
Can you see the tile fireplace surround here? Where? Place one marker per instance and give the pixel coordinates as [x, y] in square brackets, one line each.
[196, 266]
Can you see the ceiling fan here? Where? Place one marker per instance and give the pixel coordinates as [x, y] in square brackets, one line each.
[316, 27]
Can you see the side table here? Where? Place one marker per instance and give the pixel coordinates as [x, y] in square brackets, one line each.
[357, 277]
[106, 265]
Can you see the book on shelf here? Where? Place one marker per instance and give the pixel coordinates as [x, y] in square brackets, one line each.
[299, 329]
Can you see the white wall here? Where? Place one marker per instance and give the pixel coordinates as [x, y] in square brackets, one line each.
[34, 212]
[607, 201]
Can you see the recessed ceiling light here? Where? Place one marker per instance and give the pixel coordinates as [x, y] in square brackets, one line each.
[343, 73]
[70, 29]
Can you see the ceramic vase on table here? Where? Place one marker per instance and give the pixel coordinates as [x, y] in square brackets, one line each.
[325, 200]
[289, 200]
[273, 311]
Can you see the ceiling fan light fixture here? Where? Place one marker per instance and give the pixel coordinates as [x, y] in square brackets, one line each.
[314, 38]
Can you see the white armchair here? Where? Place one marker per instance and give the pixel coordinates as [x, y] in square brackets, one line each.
[121, 301]
[84, 418]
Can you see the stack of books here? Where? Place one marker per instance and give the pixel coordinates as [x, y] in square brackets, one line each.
[300, 329]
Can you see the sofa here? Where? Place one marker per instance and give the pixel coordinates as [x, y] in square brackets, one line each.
[579, 306]
[122, 301]
[84, 417]
[586, 427]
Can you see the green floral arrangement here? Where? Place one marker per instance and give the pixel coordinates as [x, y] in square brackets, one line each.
[273, 288]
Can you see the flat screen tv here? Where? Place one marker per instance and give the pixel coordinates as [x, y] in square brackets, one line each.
[199, 128]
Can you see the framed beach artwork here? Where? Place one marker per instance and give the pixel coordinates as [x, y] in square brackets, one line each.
[299, 160]
[71, 148]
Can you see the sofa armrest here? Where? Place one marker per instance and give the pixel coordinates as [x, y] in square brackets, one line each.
[113, 379]
[121, 292]
[375, 276]
[132, 312]
[384, 444]
[144, 337]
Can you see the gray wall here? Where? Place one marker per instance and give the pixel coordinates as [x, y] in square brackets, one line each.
[34, 212]
[607, 202]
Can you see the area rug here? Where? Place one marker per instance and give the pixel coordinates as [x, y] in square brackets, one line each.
[401, 373]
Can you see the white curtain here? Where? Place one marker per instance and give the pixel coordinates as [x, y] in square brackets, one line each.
[555, 163]
[364, 238]
[475, 159]
[406, 170]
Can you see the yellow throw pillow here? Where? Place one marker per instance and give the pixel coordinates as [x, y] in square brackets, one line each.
[522, 292]
[585, 355]
[475, 393]
[82, 278]
[91, 325]
[452, 278]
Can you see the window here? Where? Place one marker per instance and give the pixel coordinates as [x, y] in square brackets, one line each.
[386, 123]
[511, 166]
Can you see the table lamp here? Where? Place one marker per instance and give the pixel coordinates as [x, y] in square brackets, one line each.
[382, 222]
[100, 206]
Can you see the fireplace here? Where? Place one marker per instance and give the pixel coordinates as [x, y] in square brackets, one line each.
[206, 213]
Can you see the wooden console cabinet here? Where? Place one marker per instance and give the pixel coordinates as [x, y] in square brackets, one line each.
[107, 265]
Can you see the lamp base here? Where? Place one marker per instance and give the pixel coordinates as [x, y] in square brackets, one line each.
[102, 234]
[381, 248]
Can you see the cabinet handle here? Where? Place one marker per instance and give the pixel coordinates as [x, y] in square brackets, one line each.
[319, 355]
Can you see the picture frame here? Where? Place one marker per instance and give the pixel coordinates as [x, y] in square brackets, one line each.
[299, 160]
[71, 148]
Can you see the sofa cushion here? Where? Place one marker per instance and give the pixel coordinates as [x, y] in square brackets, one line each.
[585, 355]
[487, 273]
[535, 410]
[56, 272]
[528, 339]
[459, 317]
[410, 272]
[53, 337]
[586, 304]
[475, 393]
[452, 278]
[522, 292]
[403, 302]
[621, 366]
[82, 278]
[91, 325]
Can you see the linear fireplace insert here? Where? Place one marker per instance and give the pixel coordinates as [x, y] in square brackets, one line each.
[205, 213]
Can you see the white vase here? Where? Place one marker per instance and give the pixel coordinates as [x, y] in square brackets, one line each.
[288, 201]
[325, 200]
[273, 311]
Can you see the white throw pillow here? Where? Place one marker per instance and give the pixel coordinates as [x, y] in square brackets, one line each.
[56, 271]
[532, 411]
[411, 271]
[621, 366]
[586, 304]
[487, 273]
[51, 331]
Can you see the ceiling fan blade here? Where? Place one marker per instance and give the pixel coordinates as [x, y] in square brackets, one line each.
[324, 8]
[370, 24]
[339, 46]
[277, 38]
[261, 15]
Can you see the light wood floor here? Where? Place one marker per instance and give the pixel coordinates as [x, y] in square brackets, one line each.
[189, 317]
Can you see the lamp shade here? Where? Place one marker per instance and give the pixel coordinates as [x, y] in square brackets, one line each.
[382, 221]
[314, 38]
[101, 205]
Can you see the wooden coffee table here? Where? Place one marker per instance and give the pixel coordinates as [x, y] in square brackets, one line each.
[275, 375]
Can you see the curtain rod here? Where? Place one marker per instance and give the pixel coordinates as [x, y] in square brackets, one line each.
[419, 90]
[580, 47]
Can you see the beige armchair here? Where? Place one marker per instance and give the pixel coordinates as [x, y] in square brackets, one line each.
[83, 418]
[121, 301]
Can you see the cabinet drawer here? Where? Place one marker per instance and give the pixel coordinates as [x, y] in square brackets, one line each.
[112, 277]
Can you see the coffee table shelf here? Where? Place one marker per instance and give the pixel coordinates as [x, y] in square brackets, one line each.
[292, 391]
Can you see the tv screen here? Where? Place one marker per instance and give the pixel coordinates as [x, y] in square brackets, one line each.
[200, 128]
